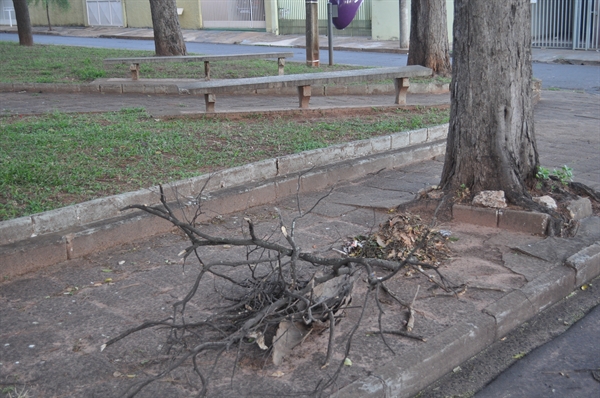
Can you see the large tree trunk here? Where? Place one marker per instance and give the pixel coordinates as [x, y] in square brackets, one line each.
[168, 39]
[491, 143]
[23, 22]
[429, 36]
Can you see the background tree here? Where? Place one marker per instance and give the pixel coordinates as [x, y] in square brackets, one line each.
[429, 36]
[491, 142]
[61, 4]
[168, 39]
[23, 22]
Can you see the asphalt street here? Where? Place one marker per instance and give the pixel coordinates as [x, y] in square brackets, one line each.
[567, 77]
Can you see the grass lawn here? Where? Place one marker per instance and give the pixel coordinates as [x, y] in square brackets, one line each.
[68, 64]
[54, 160]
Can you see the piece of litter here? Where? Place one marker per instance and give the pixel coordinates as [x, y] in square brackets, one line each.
[347, 362]
[121, 262]
[31, 345]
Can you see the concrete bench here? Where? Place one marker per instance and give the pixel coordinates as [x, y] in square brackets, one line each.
[303, 82]
[134, 63]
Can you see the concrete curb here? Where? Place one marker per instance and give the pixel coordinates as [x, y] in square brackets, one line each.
[406, 376]
[36, 241]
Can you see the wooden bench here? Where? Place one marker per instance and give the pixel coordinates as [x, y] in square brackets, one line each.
[303, 82]
[134, 63]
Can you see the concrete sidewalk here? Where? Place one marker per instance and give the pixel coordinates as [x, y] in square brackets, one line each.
[346, 43]
[54, 320]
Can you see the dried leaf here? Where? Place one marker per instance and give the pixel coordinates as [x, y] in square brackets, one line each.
[278, 373]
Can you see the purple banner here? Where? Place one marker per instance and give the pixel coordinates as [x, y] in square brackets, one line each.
[347, 10]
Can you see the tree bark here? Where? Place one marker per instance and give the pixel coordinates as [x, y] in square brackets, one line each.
[491, 142]
[23, 22]
[48, 14]
[168, 39]
[429, 36]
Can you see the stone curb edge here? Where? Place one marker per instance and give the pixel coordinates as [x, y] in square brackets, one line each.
[33, 242]
[422, 366]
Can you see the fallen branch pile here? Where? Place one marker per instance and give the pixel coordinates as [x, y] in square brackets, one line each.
[277, 294]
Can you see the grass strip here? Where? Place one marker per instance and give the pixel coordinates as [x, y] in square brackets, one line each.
[77, 65]
[58, 159]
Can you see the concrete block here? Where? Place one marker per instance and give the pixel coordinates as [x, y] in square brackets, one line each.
[418, 136]
[400, 140]
[45, 87]
[510, 311]
[335, 90]
[68, 88]
[15, 230]
[523, 221]
[475, 215]
[416, 369]
[239, 199]
[90, 88]
[550, 287]
[114, 232]
[31, 255]
[134, 89]
[437, 132]
[170, 89]
[139, 197]
[55, 220]
[23, 87]
[381, 144]
[358, 89]
[111, 88]
[97, 209]
[586, 264]
[287, 187]
[243, 175]
[6, 87]
[308, 159]
[381, 89]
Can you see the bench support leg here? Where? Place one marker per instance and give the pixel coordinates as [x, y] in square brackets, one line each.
[209, 100]
[206, 70]
[304, 96]
[135, 71]
[401, 86]
[281, 64]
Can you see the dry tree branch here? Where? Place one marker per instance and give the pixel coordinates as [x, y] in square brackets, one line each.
[274, 282]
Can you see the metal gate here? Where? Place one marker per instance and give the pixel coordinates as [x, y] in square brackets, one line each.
[573, 24]
[292, 19]
[104, 13]
[233, 14]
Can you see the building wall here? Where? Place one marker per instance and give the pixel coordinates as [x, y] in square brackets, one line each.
[74, 16]
[386, 19]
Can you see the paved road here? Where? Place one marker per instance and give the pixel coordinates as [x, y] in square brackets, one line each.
[568, 366]
[569, 77]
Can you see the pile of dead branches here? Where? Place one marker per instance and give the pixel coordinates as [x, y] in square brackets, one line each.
[277, 293]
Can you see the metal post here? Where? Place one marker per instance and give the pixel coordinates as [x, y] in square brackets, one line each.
[330, 31]
[312, 33]
[404, 33]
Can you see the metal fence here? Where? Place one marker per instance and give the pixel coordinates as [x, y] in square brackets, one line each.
[233, 14]
[292, 19]
[570, 24]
